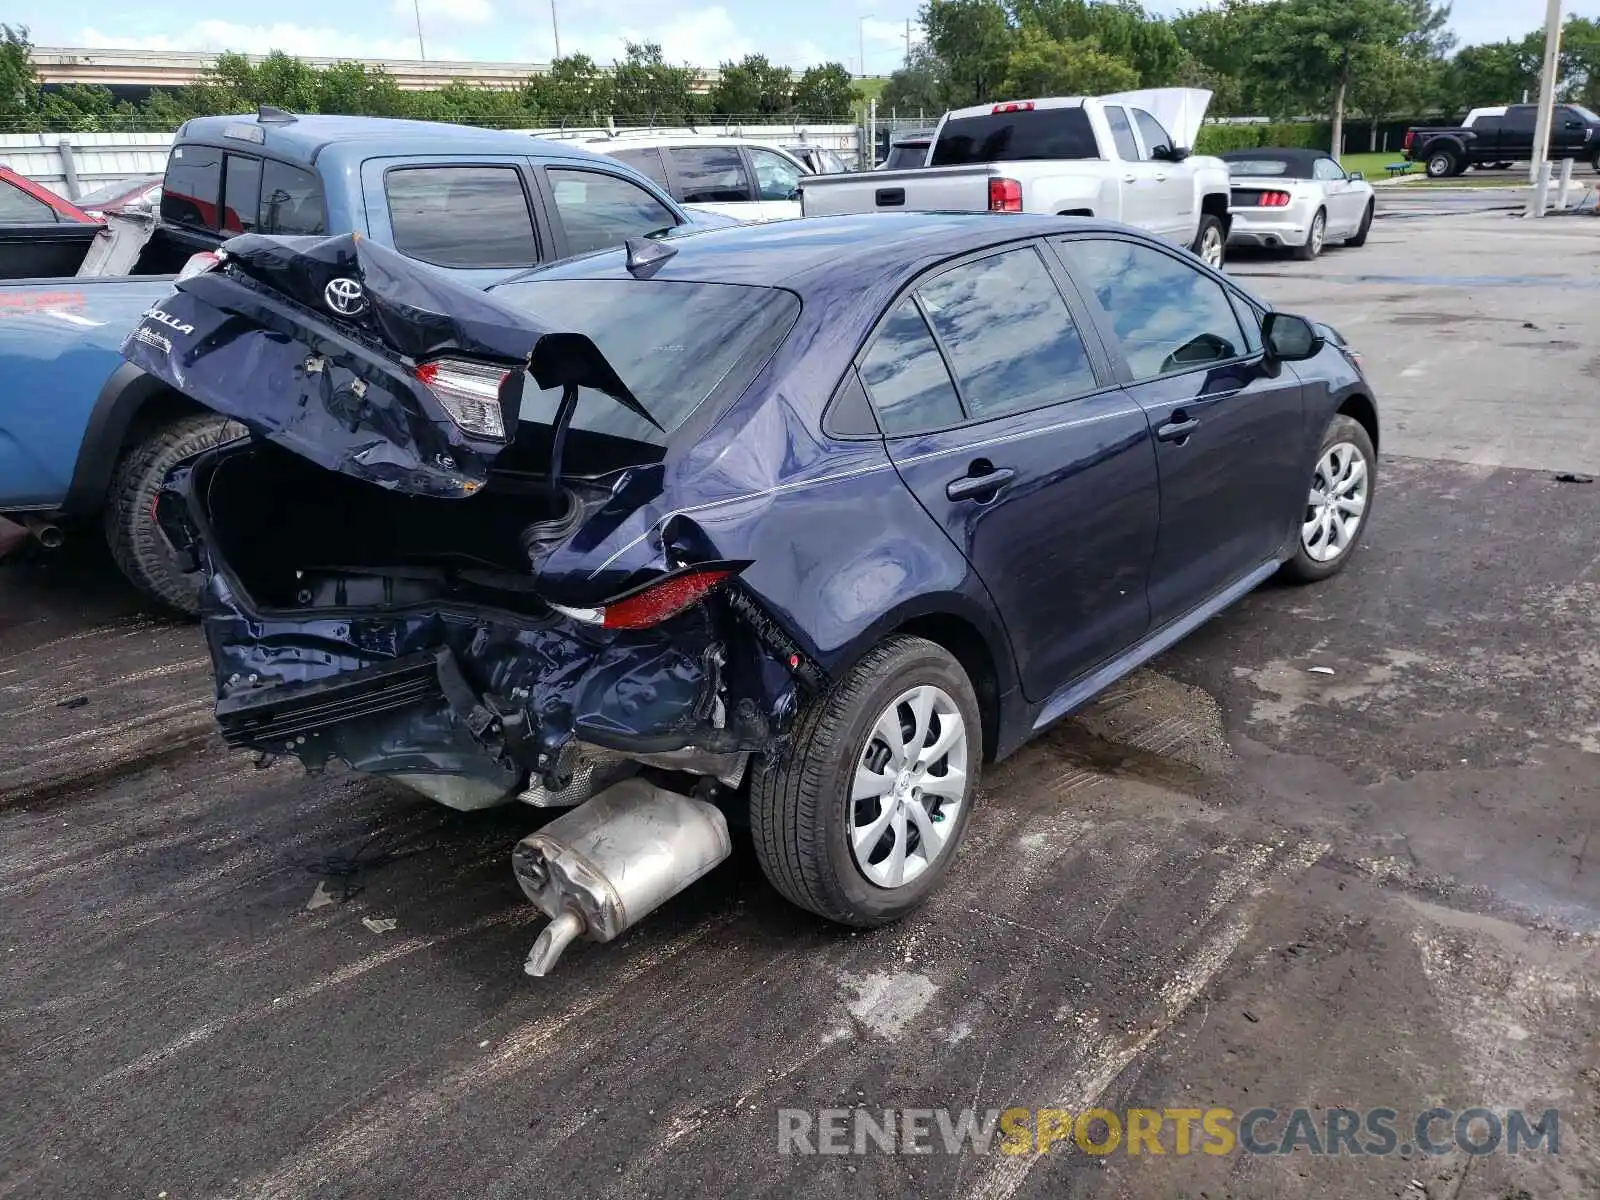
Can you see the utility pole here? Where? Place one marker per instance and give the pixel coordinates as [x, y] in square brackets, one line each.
[861, 48]
[908, 43]
[416, 7]
[555, 30]
[1538, 171]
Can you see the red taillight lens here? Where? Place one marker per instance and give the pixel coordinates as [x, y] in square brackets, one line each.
[468, 392]
[657, 601]
[1005, 195]
[1275, 199]
[199, 264]
[1014, 106]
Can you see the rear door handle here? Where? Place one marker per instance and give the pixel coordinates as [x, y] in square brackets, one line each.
[984, 486]
[1178, 429]
[1130, 179]
[1161, 178]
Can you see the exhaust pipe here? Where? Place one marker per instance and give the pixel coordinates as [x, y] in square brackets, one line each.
[12, 535]
[48, 535]
[603, 867]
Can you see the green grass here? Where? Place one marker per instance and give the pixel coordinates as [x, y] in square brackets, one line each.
[871, 88]
[1372, 167]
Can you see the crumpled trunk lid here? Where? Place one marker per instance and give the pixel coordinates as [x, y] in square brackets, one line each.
[314, 343]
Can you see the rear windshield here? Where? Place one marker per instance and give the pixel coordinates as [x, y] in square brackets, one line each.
[1015, 137]
[673, 343]
[1257, 166]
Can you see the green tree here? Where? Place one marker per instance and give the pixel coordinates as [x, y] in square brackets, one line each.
[825, 92]
[19, 86]
[574, 89]
[1122, 30]
[1323, 46]
[921, 86]
[352, 87]
[752, 86]
[974, 39]
[1044, 66]
[645, 85]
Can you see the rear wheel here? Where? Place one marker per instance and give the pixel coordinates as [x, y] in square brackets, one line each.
[137, 546]
[1315, 237]
[860, 816]
[1211, 241]
[1360, 238]
[1442, 164]
[1338, 503]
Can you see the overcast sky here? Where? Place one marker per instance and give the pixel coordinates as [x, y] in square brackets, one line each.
[520, 30]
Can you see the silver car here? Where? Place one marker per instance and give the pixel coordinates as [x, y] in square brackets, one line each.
[1296, 200]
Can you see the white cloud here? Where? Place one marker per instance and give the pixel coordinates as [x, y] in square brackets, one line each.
[700, 37]
[300, 40]
[443, 12]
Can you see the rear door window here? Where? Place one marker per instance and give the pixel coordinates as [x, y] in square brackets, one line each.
[776, 177]
[906, 376]
[291, 200]
[193, 187]
[599, 210]
[711, 175]
[241, 194]
[1009, 336]
[1122, 133]
[462, 216]
[1168, 316]
[647, 161]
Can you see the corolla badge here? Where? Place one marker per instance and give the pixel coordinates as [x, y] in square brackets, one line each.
[344, 296]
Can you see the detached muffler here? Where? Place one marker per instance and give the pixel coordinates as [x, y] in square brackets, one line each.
[604, 866]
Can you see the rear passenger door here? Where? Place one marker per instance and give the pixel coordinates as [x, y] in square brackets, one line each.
[1229, 425]
[473, 218]
[777, 183]
[1000, 414]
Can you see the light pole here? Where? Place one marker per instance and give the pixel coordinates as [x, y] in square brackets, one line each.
[861, 37]
[416, 7]
[555, 30]
[1547, 101]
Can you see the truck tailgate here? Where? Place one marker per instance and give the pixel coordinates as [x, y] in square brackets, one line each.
[922, 189]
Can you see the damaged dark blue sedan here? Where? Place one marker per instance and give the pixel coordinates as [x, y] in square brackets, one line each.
[807, 520]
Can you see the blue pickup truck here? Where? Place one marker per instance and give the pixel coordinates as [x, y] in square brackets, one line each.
[85, 435]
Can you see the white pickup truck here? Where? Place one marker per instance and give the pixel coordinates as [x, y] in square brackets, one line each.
[1123, 157]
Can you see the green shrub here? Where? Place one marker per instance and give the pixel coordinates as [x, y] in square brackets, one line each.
[1218, 139]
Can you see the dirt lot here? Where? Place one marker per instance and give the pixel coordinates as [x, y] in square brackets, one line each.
[1234, 882]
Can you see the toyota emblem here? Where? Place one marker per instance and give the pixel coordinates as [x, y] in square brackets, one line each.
[344, 296]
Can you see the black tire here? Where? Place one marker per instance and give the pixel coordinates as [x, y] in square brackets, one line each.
[1211, 227]
[138, 547]
[1303, 567]
[1505, 166]
[1360, 238]
[1315, 236]
[1442, 164]
[800, 803]
[1595, 161]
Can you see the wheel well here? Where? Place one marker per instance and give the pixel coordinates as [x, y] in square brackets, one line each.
[970, 649]
[1360, 409]
[1216, 205]
[157, 409]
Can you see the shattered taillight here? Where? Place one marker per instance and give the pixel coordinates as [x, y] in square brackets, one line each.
[658, 600]
[469, 393]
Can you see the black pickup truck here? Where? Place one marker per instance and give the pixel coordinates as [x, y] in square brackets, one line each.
[1500, 136]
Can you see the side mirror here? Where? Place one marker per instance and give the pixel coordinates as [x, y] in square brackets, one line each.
[1289, 338]
[1355, 177]
[1165, 153]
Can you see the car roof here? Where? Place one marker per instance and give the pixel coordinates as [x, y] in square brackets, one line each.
[606, 145]
[298, 138]
[817, 252]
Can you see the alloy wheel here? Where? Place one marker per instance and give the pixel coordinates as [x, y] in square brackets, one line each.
[909, 785]
[1211, 247]
[1319, 232]
[1338, 502]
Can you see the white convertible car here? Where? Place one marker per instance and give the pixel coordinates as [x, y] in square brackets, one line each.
[1296, 200]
